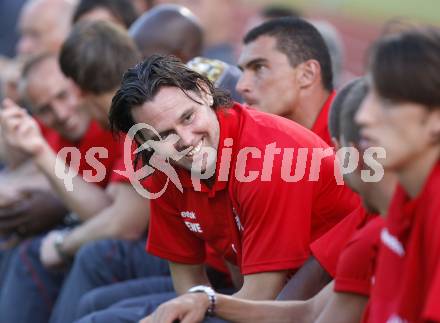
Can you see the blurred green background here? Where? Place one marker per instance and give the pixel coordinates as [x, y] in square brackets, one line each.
[427, 11]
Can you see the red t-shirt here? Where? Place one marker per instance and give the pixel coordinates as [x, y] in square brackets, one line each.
[260, 225]
[407, 280]
[94, 137]
[320, 127]
[357, 261]
[329, 247]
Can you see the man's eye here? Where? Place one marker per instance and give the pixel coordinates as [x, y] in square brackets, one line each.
[258, 67]
[189, 118]
[62, 95]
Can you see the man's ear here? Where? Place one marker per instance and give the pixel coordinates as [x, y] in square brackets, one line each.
[75, 89]
[434, 126]
[308, 73]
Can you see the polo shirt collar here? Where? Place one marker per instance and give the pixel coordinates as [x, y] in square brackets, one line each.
[404, 207]
[320, 126]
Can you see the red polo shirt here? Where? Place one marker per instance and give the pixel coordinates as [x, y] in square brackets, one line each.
[94, 137]
[357, 261]
[320, 127]
[329, 247]
[262, 225]
[407, 280]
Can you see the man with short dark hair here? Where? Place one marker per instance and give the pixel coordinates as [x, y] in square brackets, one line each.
[287, 71]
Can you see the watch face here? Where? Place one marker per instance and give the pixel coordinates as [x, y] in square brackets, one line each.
[211, 296]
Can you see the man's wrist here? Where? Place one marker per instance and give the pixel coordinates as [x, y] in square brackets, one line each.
[58, 244]
[212, 298]
[41, 153]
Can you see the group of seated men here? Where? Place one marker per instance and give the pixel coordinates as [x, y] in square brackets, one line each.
[167, 200]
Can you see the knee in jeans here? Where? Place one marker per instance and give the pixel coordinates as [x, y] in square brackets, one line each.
[93, 254]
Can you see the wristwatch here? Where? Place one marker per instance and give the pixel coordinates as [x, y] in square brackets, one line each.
[211, 296]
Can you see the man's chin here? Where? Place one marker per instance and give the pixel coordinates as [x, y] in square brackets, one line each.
[255, 106]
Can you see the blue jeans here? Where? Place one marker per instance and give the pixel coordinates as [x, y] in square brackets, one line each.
[129, 310]
[35, 288]
[132, 310]
[5, 258]
[102, 263]
[29, 289]
[103, 297]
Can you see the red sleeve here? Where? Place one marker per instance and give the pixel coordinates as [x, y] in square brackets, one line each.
[168, 236]
[328, 248]
[356, 264]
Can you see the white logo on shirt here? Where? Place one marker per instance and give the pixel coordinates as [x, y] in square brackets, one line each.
[237, 220]
[188, 215]
[233, 248]
[193, 227]
[392, 242]
[396, 319]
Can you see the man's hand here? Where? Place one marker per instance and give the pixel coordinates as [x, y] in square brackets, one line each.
[49, 254]
[188, 308]
[19, 129]
[35, 211]
[8, 199]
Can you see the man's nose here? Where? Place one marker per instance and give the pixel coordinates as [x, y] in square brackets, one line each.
[186, 139]
[243, 84]
[365, 113]
[61, 112]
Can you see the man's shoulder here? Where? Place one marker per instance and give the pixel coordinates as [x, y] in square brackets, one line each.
[259, 129]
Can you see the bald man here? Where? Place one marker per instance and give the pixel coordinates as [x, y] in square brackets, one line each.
[168, 29]
[43, 25]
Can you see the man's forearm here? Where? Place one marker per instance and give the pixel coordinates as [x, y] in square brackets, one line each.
[262, 286]
[242, 311]
[85, 199]
[102, 226]
[126, 218]
[306, 283]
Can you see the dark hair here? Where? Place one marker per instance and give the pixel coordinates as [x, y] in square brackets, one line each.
[96, 55]
[405, 67]
[353, 100]
[122, 10]
[278, 11]
[141, 83]
[334, 114]
[299, 41]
